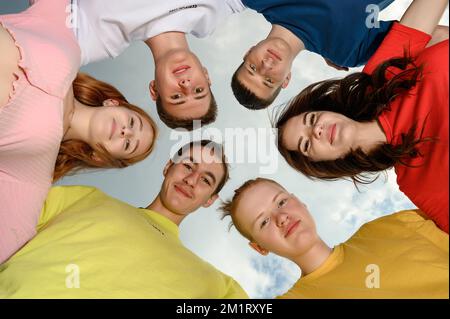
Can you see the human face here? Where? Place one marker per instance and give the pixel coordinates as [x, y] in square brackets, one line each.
[182, 84]
[321, 135]
[124, 133]
[276, 220]
[191, 182]
[267, 67]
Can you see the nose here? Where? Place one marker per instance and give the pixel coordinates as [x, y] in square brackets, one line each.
[191, 179]
[267, 63]
[282, 219]
[185, 83]
[126, 132]
[317, 131]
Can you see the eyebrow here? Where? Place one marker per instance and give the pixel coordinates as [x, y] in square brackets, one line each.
[135, 148]
[211, 175]
[270, 86]
[140, 120]
[260, 214]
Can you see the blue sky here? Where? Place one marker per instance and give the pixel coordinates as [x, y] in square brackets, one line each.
[339, 209]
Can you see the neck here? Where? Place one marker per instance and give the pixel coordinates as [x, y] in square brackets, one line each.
[295, 43]
[369, 136]
[158, 207]
[165, 43]
[313, 258]
[79, 122]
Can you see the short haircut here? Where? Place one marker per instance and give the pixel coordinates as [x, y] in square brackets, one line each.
[228, 207]
[213, 146]
[186, 123]
[246, 97]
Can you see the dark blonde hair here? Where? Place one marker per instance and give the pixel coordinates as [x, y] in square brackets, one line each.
[228, 208]
[75, 154]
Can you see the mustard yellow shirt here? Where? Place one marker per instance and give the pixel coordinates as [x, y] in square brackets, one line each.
[402, 255]
[90, 245]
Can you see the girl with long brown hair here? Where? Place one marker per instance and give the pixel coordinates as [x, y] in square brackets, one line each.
[393, 114]
[54, 120]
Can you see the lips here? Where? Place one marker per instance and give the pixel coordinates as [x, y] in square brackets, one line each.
[274, 54]
[181, 69]
[291, 227]
[113, 128]
[332, 134]
[183, 191]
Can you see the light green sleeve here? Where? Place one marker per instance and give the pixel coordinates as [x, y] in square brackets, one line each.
[60, 198]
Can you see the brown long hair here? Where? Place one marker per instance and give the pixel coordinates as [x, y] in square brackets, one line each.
[74, 154]
[361, 97]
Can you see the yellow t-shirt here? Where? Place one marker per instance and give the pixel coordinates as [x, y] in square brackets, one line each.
[90, 245]
[402, 255]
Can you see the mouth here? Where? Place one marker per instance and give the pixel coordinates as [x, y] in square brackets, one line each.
[181, 69]
[113, 128]
[274, 54]
[183, 192]
[332, 134]
[292, 227]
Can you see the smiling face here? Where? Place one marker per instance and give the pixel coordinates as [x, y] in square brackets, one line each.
[182, 84]
[122, 132]
[191, 182]
[266, 67]
[320, 136]
[275, 220]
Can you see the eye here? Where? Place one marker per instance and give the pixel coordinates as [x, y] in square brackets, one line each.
[306, 146]
[269, 80]
[282, 202]
[205, 180]
[199, 90]
[127, 144]
[252, 67]
[312, 118]
[176, 96]
[187, 166]
[265, 222]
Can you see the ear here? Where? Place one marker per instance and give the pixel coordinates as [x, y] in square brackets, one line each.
[111, 102]
[153, 90]
[210, 201]
[167, 167]
[286, 80]
[258, 248]
[205, 72]
[96, 158]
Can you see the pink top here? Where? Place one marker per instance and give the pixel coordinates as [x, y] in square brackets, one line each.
[32, 121]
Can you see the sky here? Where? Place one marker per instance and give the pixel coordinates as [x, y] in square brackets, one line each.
[338, 207]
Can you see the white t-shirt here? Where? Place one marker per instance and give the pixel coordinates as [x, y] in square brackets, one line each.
[105, 28]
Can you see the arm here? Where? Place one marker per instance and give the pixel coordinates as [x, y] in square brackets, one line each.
[439, 34]
[424, 15]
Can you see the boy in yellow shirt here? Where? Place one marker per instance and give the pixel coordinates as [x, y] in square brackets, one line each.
[402, 255]
[90, 245]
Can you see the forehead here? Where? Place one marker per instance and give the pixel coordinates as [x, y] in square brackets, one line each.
[256, 199]
[191, 108]
[206, 159]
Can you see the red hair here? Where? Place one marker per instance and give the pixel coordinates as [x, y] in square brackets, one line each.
[75, 154]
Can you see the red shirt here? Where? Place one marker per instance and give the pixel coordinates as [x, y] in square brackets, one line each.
[427, 104]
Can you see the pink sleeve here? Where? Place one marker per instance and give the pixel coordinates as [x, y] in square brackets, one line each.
[399, 40]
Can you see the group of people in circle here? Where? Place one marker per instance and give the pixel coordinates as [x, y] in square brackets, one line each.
[56, 121]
